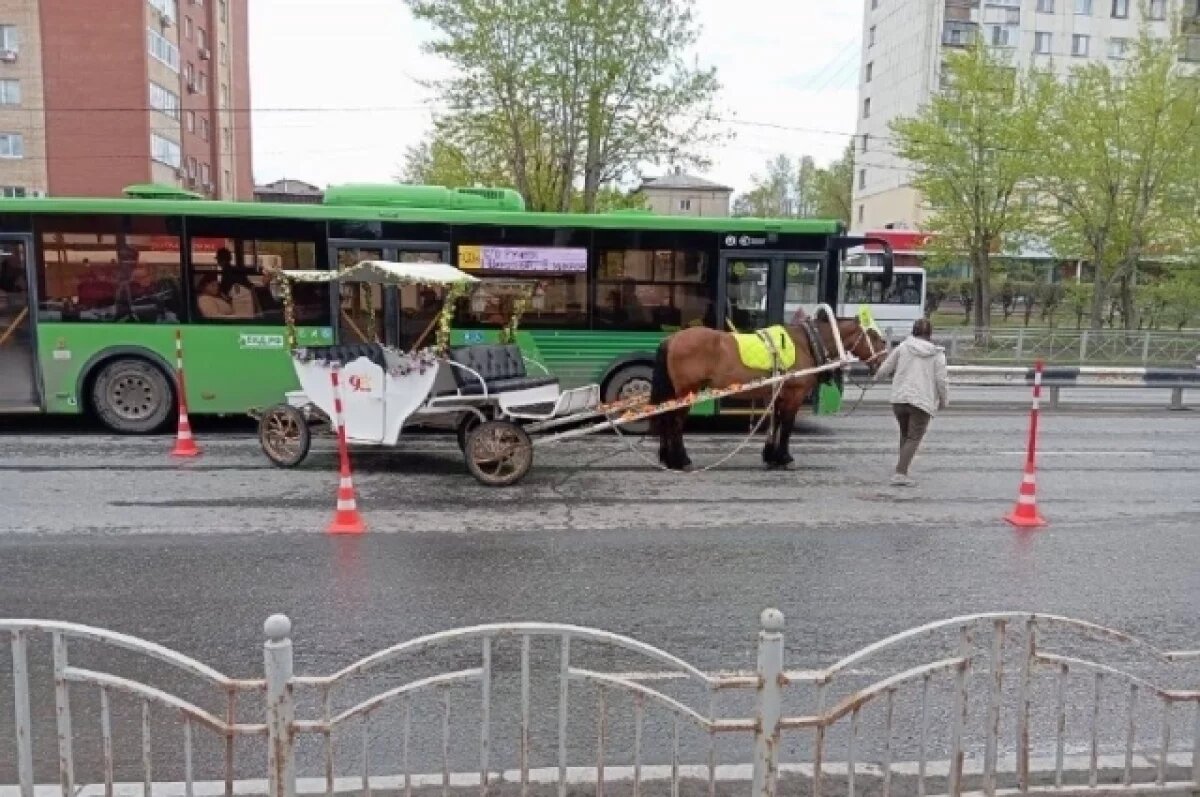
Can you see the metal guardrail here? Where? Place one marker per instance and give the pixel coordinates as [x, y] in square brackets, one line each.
[998, 702]
[1004, 345]
[1055, 378]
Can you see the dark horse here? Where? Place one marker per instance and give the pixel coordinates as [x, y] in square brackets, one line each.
[699, 357]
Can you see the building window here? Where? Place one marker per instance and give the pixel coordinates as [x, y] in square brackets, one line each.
[224, 53]
[10, 91]
[685, 204]
[13, 191]
[224, 95]
[10, 38]
[191, 121]
[188, 30]
[12, 145]
[1045, 6]
[867, 108]
[202, 86]
[862, 178]
[227, 138]
[164, 150]
[1041, 43]
[204, 127]
[164, 100]
[862, 211]
[871, 37]
[866, 139]
[205, 175]
[229, 181]
[1158, 10]
[1120, 9]
[1083, 7]
[224, 10]
[1117, 48]
[162, 49]
[191, 168]
[1005, 35]
[189, 77]
[202, 38]
[874, 4]
[166, 8]
[870, 71]
[1079, 44]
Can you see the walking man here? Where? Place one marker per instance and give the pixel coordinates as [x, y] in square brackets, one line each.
[920, 387]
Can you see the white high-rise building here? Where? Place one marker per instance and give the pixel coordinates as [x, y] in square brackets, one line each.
[905, 43]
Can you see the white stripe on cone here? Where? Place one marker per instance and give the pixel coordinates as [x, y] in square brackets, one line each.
[347, 506]
[346, 483]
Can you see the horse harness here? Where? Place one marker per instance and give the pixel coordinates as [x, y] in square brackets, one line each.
[817, 346]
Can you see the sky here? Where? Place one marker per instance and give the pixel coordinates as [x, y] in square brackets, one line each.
[338, 95]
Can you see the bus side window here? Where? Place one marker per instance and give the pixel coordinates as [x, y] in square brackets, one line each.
[110, 268]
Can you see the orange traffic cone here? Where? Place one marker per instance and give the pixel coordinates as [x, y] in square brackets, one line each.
[346, 520]
[1025, 514]
[185, 445]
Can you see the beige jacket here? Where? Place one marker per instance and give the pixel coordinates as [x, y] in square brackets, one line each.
[919, 378]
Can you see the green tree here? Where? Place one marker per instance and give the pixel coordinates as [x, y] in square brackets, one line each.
[1122, 160]
[970, 147]
[799, 190]
[575, 94]
[835, 187]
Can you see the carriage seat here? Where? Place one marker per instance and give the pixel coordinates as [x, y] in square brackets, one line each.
[345, 353]
[501, 366]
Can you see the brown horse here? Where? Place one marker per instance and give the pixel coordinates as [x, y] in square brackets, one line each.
[699, 357]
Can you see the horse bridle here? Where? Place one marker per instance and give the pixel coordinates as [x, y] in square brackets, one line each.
[875, 355]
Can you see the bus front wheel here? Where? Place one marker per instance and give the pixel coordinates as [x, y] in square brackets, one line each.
[627, 383]
[131, 396]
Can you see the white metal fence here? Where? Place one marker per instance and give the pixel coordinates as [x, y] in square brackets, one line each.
[1066, 346]
[995, 703]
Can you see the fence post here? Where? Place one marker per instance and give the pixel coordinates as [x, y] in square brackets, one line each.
[1083, 346]
[281, 711]
[1020, 344]
[768, 703]
[1146, 349]
[1176, 398]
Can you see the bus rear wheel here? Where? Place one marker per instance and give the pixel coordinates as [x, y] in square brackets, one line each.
[627, 383]
[131, 396]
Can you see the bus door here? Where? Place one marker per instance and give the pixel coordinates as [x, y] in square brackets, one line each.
[19, 381]
[354, 316]
[759, 290]
[400, 315]
[412, 310]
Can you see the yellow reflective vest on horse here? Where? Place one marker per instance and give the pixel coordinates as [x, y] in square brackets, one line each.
[770, 349]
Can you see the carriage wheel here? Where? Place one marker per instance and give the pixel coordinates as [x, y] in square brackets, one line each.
[499, 453]
[284, 435]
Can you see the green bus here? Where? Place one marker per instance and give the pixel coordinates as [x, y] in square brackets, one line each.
[92, 291]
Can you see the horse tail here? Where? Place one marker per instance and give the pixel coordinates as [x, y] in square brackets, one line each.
[661, 387]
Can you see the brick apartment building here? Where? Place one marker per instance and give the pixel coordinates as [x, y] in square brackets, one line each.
[98, 94]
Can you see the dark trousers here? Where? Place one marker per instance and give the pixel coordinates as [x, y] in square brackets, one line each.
[913, 424]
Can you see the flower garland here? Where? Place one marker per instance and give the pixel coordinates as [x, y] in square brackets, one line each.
[509, 333]
[446, 316]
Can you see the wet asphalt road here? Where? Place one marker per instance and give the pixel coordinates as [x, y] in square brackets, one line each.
[107, 531]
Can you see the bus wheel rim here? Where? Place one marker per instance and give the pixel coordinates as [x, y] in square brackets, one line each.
[132, 397]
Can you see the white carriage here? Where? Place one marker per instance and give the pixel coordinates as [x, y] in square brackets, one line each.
[485, 392]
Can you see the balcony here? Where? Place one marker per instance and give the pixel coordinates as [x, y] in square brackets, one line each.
[962, 10]
[959, 34]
